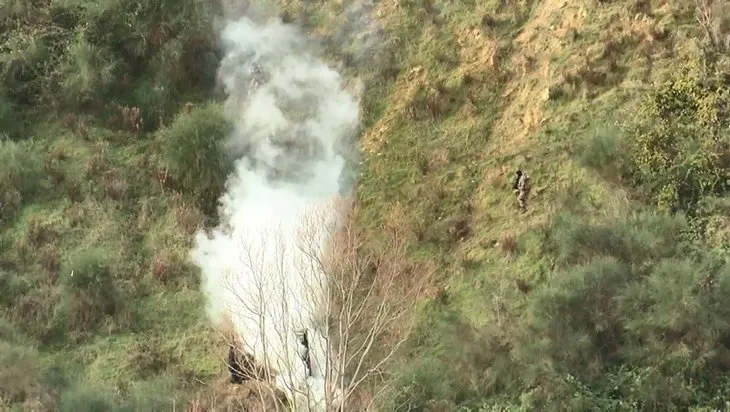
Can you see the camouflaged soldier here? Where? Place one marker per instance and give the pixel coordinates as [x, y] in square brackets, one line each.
[234, 367]
[522, 187]
[257, 75]
[304, 350]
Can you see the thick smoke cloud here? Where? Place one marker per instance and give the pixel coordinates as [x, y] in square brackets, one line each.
[295, 121]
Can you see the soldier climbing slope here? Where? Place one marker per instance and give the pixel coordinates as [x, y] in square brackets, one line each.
[522, 188]
[304, 353]
[234, 367]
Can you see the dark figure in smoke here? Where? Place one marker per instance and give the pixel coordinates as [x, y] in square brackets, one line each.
[257, 75]
[302, 335]
[237, 374]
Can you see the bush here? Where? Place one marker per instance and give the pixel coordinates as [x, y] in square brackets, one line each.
[25, 67]
[90, 292]
[21, 176]
[78, 52]
[149, 396]
[11, 285]
[639, 239]
[10, 121]
[193, 152]
[629, 319]
[85, 400]
[88, 73]
[602, 151]
[19, 371]
[627, 297]
[680, 150]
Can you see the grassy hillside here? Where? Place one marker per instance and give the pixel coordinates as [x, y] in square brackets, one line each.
[608, 294]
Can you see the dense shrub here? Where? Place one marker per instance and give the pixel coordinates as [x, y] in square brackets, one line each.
[19, 371]
[85, 400]
[193, 152]
[679, 147]
[151, 396]
[11, 285]
[88, 73]
[21, 176]
[90, 292]
[602, 150]
[640, 303]
[629, 320]
[675, 151]
[149, 55]
[26, 66]
[10, 121]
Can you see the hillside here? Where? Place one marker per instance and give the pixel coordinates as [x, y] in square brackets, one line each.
[609, 293]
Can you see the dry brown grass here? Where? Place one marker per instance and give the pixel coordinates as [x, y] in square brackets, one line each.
[430, 100]
[478, 52]
[161, 267]
[76, 215]
[96, 164]
[73, 191]
[714, 18]
[404, 91]
[188, 216]
[50, 260]
[255, 394]
[52, 166]
[131, 119]
[508, 242]
[221, 395]
[38, 232]
[531, 74]
[163, 178]
[114, 185]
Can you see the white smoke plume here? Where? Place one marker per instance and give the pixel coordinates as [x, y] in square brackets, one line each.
[295, 124]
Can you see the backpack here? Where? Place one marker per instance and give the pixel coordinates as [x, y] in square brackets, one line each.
[524, 183]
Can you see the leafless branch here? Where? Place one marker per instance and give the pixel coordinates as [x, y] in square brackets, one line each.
[353, 299]
[712, 17]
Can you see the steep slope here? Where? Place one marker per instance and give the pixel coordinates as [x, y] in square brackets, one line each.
[468, 93]
[600, 297]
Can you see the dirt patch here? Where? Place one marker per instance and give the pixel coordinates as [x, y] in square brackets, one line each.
[404, 92]
[387, 8]
[544, 37]
[477, 52]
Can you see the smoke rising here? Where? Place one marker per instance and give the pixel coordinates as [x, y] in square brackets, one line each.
[295, 124]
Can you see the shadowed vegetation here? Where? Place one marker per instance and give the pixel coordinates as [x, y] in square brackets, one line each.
[610, 293]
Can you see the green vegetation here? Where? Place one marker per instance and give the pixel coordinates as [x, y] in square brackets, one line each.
[99, 308]
[610, 293]
[193, 153]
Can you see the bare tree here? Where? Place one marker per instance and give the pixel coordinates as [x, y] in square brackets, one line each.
[323, 312]
[713, 18]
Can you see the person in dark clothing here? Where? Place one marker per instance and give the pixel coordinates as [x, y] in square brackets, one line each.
[517, 179]
[234, 367]
[305, 356]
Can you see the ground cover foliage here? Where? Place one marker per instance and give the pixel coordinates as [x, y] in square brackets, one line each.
[610, 293]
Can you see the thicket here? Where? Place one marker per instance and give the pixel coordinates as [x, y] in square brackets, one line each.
[89, 290]
[114, 78]
[194, 155]
[675, 151]
[631, 315]
[610, 314]
[103, 57]
[21, 176]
